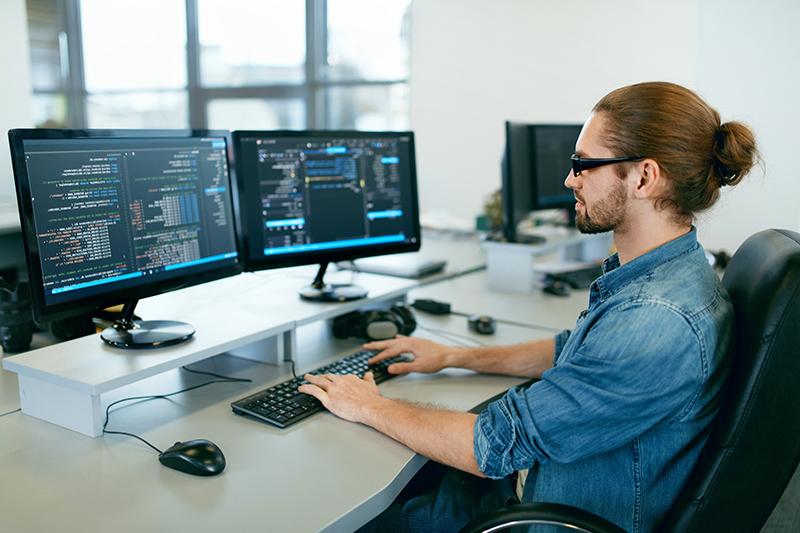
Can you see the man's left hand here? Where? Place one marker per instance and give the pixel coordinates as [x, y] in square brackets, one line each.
[346, 396]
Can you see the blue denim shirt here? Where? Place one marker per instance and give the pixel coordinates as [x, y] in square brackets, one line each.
[616, 425]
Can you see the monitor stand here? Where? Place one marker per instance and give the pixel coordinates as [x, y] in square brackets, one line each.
[319, 291]
[138, 334]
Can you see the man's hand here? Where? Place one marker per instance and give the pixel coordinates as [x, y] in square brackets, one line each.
[429, 356]
[348, 396]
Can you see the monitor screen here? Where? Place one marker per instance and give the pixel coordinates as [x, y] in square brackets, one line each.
[552, 146]
[317, 196]
[536, 162]
[110, 217]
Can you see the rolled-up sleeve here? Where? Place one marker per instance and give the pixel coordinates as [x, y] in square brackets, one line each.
[630, 372]
[561, 340]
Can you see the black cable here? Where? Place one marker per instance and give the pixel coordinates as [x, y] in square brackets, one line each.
[452, 337]
[291, 362]
[225, 379]
[513, 323]
[443, 308]
[204, 373]
[11, 412]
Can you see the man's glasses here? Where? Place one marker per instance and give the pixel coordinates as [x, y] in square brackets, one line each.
[579, 164]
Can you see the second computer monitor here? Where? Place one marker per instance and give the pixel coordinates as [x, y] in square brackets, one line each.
[536, 162]
[308, 197]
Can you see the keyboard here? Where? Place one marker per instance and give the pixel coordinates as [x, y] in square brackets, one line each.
[581, 278]
[281, 405]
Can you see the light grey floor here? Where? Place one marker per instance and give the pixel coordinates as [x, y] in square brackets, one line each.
[786, 516]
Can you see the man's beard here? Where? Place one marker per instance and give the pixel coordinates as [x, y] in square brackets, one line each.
[608, 213]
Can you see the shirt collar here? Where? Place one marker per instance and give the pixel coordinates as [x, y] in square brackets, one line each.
[615, 277]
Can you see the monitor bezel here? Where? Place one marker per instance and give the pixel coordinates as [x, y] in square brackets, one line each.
[327, 256]
[47, 312]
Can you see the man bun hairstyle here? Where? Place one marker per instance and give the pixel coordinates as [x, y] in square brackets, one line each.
[673, 126]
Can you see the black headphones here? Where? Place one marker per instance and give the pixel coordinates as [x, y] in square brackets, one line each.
[375, 325]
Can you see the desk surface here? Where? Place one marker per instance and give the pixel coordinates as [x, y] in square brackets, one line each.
[322, 474]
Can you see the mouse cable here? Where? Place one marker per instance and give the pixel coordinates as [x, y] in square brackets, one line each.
[452, 337]
[225, 379]
[11, 412]
[443, 308]
[212, 374]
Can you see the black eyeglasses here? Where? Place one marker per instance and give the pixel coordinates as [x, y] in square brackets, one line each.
[579, 164]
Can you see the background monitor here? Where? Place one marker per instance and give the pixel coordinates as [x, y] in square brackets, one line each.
[535, 165]
[110, 217]
[309, 197]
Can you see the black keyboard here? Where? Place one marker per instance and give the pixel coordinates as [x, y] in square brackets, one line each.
[281, 405]
[581, 278]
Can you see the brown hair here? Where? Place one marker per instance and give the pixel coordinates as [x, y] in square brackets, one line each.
[673, 126]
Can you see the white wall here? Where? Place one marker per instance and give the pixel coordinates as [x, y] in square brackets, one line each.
[748, 59]
[476, 64]
[15, 86]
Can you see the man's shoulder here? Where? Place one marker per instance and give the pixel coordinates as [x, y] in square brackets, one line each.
[687, 284]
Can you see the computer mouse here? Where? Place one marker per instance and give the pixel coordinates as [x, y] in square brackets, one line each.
[556, 288]
[483, 324]
[198, 457]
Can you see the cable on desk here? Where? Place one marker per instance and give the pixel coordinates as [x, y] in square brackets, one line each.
[224, 379]
[452, 337]
[291, 362]
[17, 410]
[220, 376]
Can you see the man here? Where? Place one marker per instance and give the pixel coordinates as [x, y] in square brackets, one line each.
[624, 401]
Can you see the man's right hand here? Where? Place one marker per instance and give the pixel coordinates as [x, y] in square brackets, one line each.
[429, 356]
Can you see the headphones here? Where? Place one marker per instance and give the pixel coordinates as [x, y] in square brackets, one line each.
[375, 325]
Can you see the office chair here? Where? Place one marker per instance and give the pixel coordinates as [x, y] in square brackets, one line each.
[754, 445]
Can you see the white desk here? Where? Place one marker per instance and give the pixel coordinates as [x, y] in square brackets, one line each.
[322, 474]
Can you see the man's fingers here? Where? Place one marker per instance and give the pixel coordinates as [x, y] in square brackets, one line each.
[401, 368]
[377, 345]
[316, 392]
[320, 381]
[386, 354]
[369, 378]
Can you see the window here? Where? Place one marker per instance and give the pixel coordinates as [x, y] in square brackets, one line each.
[222, 64]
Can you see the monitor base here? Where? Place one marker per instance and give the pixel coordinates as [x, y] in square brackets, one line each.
[319, 291]
[147, 334]
[333, 293]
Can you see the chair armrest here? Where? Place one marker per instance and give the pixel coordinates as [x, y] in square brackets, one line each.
[541, 513]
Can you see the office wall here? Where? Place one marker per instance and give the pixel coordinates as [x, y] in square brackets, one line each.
[476, 64]
[15, 87]
[747, 67]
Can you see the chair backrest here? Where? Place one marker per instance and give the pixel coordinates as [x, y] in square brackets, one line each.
[754, 446]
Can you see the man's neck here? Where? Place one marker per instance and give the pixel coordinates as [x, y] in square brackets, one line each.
[638, 239]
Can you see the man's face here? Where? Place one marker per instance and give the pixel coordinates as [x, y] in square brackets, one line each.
[601, 195]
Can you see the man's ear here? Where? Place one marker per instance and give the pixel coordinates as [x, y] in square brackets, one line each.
[648, 179]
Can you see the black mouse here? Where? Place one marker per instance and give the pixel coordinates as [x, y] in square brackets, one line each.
[485, 325]
[198, 457]
[556, 288]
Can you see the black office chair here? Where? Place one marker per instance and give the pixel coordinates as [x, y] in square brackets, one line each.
[754, 446]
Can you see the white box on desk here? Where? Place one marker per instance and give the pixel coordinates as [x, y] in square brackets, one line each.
[511, 267]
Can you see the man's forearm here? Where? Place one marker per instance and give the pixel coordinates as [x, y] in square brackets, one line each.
[529, 359]
[444, 436]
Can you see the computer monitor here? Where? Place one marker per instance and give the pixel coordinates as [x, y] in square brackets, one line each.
[308, 197]
[110, 217]
[535, 164]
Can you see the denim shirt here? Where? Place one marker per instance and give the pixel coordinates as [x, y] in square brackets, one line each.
[616, 425]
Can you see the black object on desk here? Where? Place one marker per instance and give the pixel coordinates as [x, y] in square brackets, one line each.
[95, 242]
[198, 457]
[580, 278]
[282, 405]
[308, 197]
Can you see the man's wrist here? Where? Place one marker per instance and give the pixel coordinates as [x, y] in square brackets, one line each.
[374, 410]
[456, 357]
